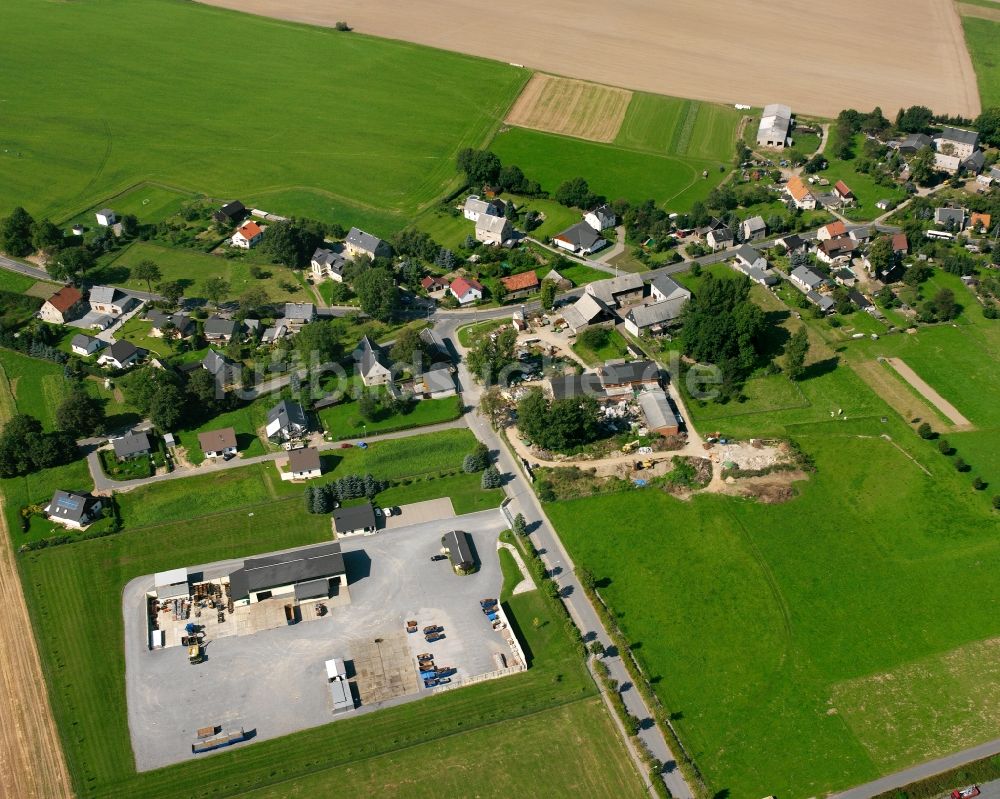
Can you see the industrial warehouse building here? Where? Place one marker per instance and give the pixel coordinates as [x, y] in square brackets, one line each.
[316, 572]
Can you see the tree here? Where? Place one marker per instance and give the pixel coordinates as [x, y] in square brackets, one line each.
[945, 307]
[961, 465]
[491, 478]
[201, 389]
[71, 264]
[988, 125]
[319, 342]
[594, 338]
[481, 167]
[46, 236]
[922, 168]
[15, 233]
[512, 179]
[915, 119]
[409, 347]
[520, 527]
[215, 289]
[979, 484]
[80, 413]
[478, 459]
[493, 405]
[166, 409]
[548, 294]
[996, 502]
[148, 270]
[560, 424]
[795, 353]
[25, 447]
[925, 431]
[378, 294]
[576, 193]
[130, 226]
[881, 255]
[944, 447]
[171, 291]
[368, 405]
[815, 164]
[290, 243]
[253, 301]
[492, 356]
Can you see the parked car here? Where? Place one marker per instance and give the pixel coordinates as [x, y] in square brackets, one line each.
[378, 513]
[965, 793]
[439, 557]
[387, 511]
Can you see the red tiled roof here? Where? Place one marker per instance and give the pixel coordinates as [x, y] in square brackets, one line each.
[65, 298]
[978, 218]
[835, 229]
[797, 188]
[524, 280]
[899, 243]
[250, 229]
[843, 189]
[430, 282]
[461, 285]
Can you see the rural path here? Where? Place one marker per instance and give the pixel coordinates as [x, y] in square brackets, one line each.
[561, 568]
[925, 770]
[526, 583]
[104, 484]
[929, 393]
[31, 757]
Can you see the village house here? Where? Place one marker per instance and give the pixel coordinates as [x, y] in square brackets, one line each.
[120, 355]
[218, 443]
[980, 223]
[914, 143]
[328, 263]
[180, 324]
[372, 363]
[831, 250]
[520, 285]
[586, 311]
[466, 290]
[106, 217]
[220, 367]
[579, 238]
[861, 234]
[85, 345]
[753, 228]
[359, 243]
[844, 193]
[64, 306]
[355, 519]
[561, 283]
[625, 289]
[623, 377]
[72, 510]
[719, 238]
[659, 412]
[805, 279]
[493, 230]
[655, 318]
[957, 142]
[249, 235]
[436, 383]
[476, 207]
[272, 335]
[601, 218]
[775, 124]
[232, 213]
[801, 196]
[749, 257]
[792, 243]
[944, 162]
[298, 314]
[304, 464]
[900, 244]
[831, 231]
[664, 287]
[951, 218]
[822, 301]
[434, 285]
[217, 328]
[132, 445]
[111, 301]
[285, 421]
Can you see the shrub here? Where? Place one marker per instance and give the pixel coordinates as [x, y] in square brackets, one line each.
[925, 431]
[342, 26]
[961, 465]
[979, 484]
[944, 447]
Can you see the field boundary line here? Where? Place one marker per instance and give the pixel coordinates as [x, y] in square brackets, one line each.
[769, 577]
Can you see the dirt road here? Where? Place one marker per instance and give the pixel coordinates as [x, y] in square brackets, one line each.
[31, 760]
[928, 393]
[905, 52]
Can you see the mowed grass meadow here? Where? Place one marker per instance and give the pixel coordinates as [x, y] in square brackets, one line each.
[660, 152]
[232, 105]
[981, 37]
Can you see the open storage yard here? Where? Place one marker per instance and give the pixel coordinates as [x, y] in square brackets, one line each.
[273, 680]
[906, 52]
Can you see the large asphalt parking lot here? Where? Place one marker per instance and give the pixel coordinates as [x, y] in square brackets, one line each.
[274, 682]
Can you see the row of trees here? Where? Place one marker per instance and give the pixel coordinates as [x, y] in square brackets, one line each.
[167, 397]
[324, 498]
[25, 447]
[483, 168]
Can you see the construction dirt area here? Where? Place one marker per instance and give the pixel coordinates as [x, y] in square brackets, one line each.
[905, 52]
[31, 760]
[268, 677]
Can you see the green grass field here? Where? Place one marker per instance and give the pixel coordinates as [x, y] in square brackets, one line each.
[864, 186]
[676, 127]
[611, 170]
[981, 36]
[614, 347]
[150, 202]
[192, 268]
[232, 120]
[36, 386]
[37, 489]
[344, 421]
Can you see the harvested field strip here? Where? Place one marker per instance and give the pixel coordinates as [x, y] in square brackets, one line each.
[929, 393]
[570, 107]
[900, 395]
[682, 138]
[980, 12]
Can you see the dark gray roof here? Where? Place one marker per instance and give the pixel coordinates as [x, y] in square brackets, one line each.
[581, 235]
[459, 548]
[975, 162]
[755, 223]
[668, 287]
[232, 210]
[807, 276]
[860, 299]
[364, 241]
[82, 340]
[370, 354]
[300, 311]
[331, 259]
[657, 313]
[959, 135]
[216, 364]
[628, 372]
[217, 326]
[287, 412]
[721, 233]
[748, 253]
[944, 215]
[157, 317]
[105, 295]
[70, 506]
[573, 386]
[301, 566]
[132, 444]
[305, 459]
[314, 589]
[823, 301]
[793, 242]
[122, 350]
[915, 141]
[357, 517]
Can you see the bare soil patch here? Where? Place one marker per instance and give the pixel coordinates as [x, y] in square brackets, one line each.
[907, 51]
[892, 390]
[31, 759]
[570, 107]
[928, 393]
[982, 12]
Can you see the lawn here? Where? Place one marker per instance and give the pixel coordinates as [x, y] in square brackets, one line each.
[343, 420]
[610, 169]
[511, 574]
[137, 330]
[613, 346]
[63, 152]
[840, 643]
[864, 186]
[37, 489]
[470, 334]
[150, 202]
[245, 421]
[676, 127]
[192, 268]
[37, 386]
[464, 490]
[981, 36]
[402, 457]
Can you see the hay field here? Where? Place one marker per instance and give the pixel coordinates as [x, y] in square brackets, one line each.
[902, 52]
[570, 107]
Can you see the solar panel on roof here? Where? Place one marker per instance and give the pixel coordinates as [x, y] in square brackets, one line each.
[68, 502]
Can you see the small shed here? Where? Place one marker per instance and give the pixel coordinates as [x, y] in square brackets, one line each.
[458, 545]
